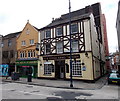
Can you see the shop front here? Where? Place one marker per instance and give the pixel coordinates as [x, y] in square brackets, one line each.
[24, 66]
[58, 67]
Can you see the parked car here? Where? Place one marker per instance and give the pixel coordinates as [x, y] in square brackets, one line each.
[114, 78]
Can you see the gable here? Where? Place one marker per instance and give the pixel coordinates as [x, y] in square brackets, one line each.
[29, 32]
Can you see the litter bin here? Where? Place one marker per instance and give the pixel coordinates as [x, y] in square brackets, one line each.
[15, 76]
[29, 78]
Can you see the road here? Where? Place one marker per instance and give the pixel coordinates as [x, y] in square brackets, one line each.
[25, 91]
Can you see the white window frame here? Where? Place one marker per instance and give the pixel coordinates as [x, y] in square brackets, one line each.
[31, 41]
[47, 69]
[76, 68]
[72, 31]
[59, 31]
[59, 47]
[75, 43]
[47, 32]
[23, 43]
[47, 48]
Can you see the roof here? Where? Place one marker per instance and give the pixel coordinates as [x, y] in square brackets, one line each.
[11, 35]
[62, 20]
[80, 14]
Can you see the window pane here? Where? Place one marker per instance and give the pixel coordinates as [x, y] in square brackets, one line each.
[59, 47]
[74, 45]
[48, 48]
[76, 68]
[59, 31]
[48, 34]
[74, 28]
[48, 69]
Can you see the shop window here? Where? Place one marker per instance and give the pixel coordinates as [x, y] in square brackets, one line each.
[76, 68]
[48, 69]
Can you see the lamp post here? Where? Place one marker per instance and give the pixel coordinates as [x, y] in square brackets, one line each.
[71, 81]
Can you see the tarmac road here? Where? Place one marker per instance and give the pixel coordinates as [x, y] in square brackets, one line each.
[25, 91]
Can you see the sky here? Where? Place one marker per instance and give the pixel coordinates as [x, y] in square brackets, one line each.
[15, 13]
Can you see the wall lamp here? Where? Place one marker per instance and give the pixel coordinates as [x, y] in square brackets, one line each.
[86, 54]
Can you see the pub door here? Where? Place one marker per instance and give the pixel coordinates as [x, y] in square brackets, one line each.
[60, 69]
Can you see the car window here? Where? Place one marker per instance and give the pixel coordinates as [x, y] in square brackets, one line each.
[113, 75]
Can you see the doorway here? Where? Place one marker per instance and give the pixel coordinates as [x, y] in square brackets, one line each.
[60, 69]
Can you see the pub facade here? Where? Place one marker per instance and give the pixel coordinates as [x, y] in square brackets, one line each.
[54, 51]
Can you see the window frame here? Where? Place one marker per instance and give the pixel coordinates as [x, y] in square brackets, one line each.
[72, 45]
[31, 41]
[46, 33]
[76, 26]
[76, 68]
[23, 43]
[9, 42]
[48, 69]
[59, 48]
[59, 29]
[46, 48]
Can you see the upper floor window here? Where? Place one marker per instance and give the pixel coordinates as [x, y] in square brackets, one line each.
[48, 34]
[47, 49]
[23, 43]
[31, 41]
[59, 47]
[2, 44]
[74, 45]
[9, 42]
[74, 28]
[59, 31]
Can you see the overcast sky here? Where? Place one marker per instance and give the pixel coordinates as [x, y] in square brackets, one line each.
[15, 13]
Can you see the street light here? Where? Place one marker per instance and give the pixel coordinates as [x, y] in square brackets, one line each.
[71, 81]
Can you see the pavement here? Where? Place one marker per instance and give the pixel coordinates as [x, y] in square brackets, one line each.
[60, 83]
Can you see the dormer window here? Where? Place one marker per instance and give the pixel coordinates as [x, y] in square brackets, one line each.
[74, 28]
[59, 31]
[48, 34]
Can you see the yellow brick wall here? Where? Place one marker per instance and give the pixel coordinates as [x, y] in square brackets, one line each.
[24, 36]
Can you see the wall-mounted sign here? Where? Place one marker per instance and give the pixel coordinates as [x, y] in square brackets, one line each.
[83, 68]
[61, 57]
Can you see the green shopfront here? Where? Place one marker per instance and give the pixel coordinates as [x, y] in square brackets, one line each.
[23, 65]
